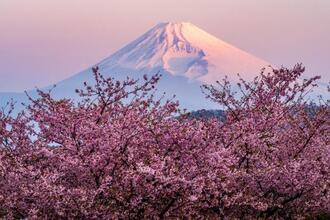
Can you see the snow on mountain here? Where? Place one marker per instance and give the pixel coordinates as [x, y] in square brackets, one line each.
[185, 55]
[184, 49]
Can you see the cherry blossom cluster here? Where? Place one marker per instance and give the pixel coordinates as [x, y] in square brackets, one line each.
[123, 152]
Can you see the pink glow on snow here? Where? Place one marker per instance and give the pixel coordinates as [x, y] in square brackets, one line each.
[42, 42]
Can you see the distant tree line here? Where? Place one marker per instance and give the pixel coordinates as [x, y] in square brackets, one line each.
[208, 114]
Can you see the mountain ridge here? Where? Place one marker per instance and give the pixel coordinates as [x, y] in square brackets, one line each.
[182, 48]
[184, 54]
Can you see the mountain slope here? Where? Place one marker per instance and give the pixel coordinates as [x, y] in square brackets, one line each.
[184, 49]
[185, 55]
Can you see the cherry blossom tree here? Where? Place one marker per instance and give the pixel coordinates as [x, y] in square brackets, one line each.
[123, 153]
[280, 143]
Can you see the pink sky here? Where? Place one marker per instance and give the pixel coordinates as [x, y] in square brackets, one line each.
[42, 42]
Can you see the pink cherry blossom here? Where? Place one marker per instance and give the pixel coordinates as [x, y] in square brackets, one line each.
[122, 153]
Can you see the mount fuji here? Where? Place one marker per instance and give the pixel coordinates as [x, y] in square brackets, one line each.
[185, 55]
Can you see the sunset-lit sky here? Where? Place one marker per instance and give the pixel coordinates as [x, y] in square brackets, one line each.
[44, 41]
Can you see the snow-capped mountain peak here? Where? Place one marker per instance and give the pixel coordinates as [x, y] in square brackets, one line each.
[182, 48]
[184, 54]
